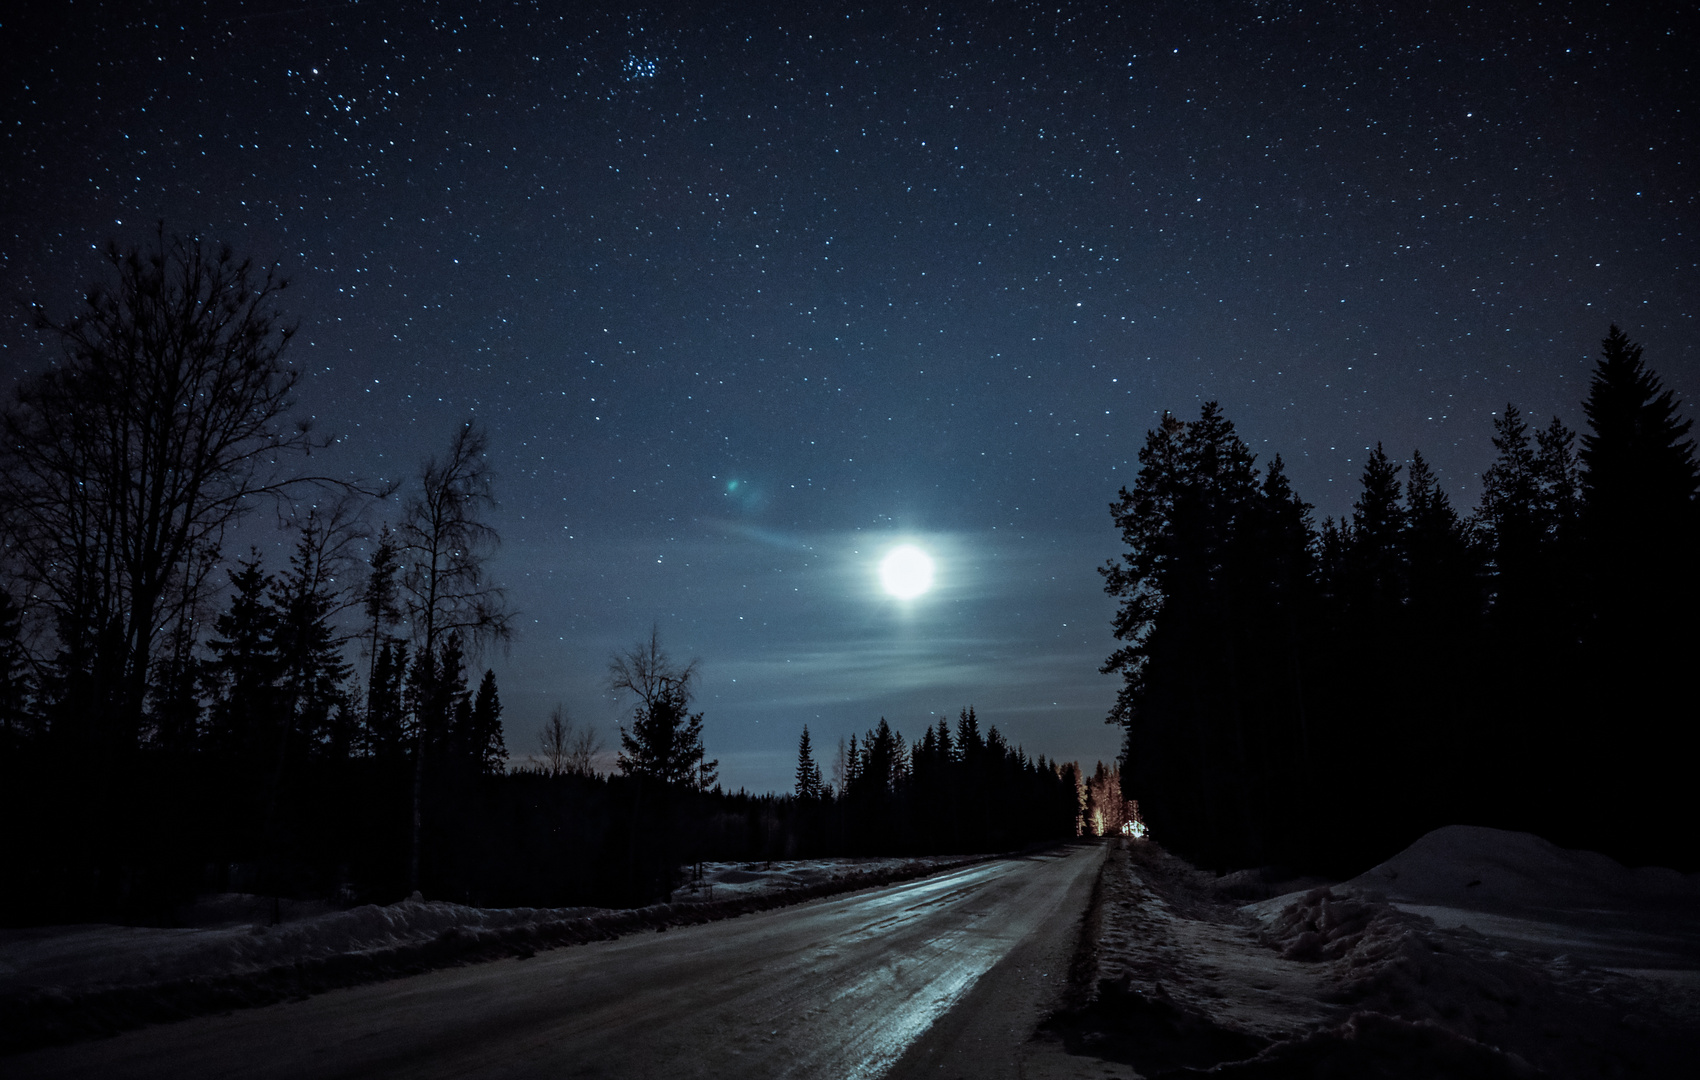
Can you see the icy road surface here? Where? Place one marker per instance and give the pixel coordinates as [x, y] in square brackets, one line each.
[839, 989]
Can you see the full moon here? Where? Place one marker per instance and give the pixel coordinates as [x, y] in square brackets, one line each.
[906, 572]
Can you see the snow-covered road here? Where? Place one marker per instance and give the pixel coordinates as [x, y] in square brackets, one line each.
[839, 988]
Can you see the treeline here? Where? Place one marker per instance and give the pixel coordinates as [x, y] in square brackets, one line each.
[1321, 695]
[964, 792]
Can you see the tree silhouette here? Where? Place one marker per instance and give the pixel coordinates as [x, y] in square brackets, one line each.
[384, 731]
[312, 673]
[1443, 586]
[1638, 465]
[554, 742]
[1639, 483]
[809, 782]
[242, 674]
[16, 714]
[1211, 588]
[1639, 531]
[1375, 546]
[1528, 511]
[664, 742]
[127, 461]
[380, 602]
[485, 747]
[446, 590]
[565, 749]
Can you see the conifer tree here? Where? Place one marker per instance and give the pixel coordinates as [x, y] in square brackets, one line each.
[1558, 475]
[312, 673]
[244, 669]
[809, 783]
[1638, 465]
[16, 713]
[383, 734]
[484, 743]
[381, 604]
[1195, 606]
[1511, 505]
[1444, 572]
[969, 743]
[664, 741]
[441, 705]
[175, 708]
[1640, 528]
[852, 758]
[1376, 557]
[1639, 481]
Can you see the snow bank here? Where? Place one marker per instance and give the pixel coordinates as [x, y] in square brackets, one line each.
[1522, 1011]
[63, 983]
[1471, 867]
[727, 880]
[1532, 896]
[1358, 979]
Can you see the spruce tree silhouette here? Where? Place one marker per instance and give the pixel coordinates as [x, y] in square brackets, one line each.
[1639, 482]
[380, 602]
[809, 782]
[1444, 571]
[1376, 557]
[664, 742]
[243, 671]
[1213, 594]
[1638, 524]
[1639, 469]
[17, 725]
[485, 748]
[312, 673]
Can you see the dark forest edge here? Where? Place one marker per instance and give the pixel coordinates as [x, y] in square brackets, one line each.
[176, 721]
[1320, 696]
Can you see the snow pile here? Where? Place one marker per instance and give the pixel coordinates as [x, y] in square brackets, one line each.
[1344, 981]
[1535, 897]
[1322, 926]
[727, 880]
[84, 957]
[1447, 992]
[1471, 867]
[64, 983]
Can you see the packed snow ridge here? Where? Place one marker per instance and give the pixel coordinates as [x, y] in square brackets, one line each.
[68, 982]
[1475, 952]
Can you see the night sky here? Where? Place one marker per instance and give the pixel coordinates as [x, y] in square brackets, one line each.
[747, 298]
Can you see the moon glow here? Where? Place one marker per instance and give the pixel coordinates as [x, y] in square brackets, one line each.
[906, 572]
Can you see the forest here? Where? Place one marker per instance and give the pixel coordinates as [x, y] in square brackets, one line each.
[1320, 695]
[178, 717]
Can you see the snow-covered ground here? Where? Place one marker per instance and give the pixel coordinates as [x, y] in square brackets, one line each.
[730, 880]
[1475, 952]
[68, 981]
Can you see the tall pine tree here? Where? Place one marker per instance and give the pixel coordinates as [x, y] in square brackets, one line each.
[1640, 530]
[809, 783]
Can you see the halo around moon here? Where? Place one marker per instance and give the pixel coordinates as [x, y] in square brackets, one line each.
[906, 572]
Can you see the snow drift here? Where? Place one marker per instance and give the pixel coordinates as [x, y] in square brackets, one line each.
[63, 983]
[1475, 952]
